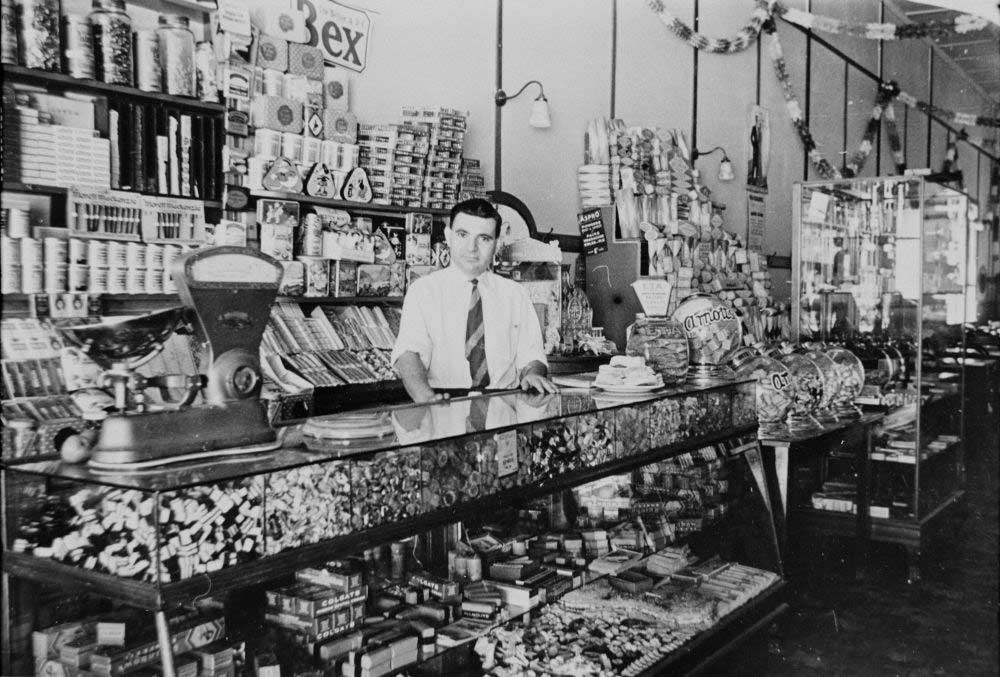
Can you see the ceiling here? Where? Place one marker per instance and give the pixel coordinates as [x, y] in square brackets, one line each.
[976, 53]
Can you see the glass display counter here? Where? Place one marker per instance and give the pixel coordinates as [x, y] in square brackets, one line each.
[880, 267]
[159, 539]
[315, 497]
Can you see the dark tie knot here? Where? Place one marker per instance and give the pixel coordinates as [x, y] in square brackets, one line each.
[475, 282]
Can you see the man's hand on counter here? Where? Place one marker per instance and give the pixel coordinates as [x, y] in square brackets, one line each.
[534, 378]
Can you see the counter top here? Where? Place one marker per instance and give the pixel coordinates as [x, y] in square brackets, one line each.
[409, 425]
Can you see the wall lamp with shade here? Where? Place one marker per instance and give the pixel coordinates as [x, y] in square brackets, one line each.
[725, 167]
[539, 109]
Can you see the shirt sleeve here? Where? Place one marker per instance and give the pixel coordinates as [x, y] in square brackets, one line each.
[530, 346]
[414, 335]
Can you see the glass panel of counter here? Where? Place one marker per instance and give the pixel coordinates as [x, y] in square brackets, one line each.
[171, 524]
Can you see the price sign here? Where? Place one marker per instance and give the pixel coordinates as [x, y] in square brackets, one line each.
[506, 453]
[592, 230]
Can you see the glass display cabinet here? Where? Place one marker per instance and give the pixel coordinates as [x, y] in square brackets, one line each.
[677, 468]
[880, 268]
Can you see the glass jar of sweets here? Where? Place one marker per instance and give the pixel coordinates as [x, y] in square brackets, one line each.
[774, 391]
[664, 345]
[806, 388]
[714, 334]
[851, 375]
[39, 33]
[831, 380]
[177, 55]
[112, 31]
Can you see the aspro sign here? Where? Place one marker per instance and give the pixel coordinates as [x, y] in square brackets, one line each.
[342, 33]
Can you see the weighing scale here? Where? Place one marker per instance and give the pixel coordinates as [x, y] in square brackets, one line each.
[227, 294]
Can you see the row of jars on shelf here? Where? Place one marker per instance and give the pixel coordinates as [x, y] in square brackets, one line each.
[799, 386]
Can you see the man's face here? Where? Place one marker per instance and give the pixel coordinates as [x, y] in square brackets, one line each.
[472, 242]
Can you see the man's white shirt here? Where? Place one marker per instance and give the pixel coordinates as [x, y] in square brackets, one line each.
[433, 323]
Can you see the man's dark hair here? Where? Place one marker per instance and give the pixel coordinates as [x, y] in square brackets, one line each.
[477, 206]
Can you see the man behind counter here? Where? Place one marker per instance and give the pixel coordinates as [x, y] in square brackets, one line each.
[464, 327]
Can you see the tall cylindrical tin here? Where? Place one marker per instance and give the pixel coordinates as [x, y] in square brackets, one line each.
[135, 255]
[55, 250]
[148, 71]
[56, 278]
[154, 280]
[117, 279]
[97, 279]
[10, 279]
[77, 250]
[32, 278]
[135, 281]
[18, 223]
[78, 47]
[78, 277]
[31, 251]
[97, 253]
[117, 254]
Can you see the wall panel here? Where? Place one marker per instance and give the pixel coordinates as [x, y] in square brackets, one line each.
[566, 44]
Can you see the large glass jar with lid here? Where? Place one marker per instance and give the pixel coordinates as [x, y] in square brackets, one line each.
[111, 28]
[714, 334]
[806, 387]
[177, 55]
[851, 375]
[831, 380]
[664, 345]
[774, 387]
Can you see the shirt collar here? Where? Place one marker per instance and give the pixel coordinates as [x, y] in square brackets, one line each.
[485, 279]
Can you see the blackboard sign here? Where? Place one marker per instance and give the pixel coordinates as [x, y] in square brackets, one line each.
[592, 231]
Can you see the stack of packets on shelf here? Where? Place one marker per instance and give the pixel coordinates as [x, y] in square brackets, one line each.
[321, 609]
[124, 642]
[328, 253]
[330, 347]
[418, 162]
[472, 183]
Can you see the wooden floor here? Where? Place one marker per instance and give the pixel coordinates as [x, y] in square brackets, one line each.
[945, 624]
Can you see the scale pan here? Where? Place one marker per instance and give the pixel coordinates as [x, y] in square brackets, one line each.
[125, 338]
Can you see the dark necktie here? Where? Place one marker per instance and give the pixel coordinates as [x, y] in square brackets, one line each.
[475, 340]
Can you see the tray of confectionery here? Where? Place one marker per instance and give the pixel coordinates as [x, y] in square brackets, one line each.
[627, 375]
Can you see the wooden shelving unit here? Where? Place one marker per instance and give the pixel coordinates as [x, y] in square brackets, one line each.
[58, 81]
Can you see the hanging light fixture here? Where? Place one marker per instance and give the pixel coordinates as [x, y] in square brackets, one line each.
[539, 117]
[725, 167]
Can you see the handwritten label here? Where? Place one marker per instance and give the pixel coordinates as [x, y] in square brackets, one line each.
[592, 230]
[111, 634]
[654, 295]
[506, 453]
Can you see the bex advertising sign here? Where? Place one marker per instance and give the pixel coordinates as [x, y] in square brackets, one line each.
[342, 33]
